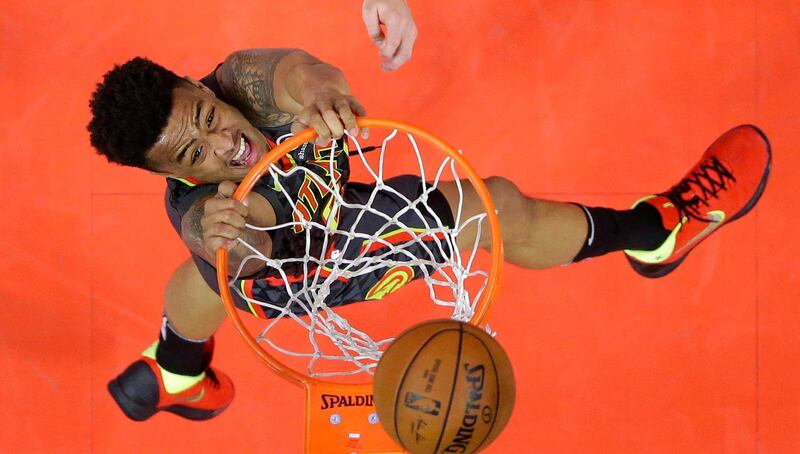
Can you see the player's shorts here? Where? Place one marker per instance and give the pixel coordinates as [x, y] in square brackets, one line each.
[357, 284]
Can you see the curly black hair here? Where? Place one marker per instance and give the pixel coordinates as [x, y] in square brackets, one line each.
[130, 108]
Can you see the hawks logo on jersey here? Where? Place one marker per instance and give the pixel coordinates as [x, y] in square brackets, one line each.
[322, 179]
[322, 175]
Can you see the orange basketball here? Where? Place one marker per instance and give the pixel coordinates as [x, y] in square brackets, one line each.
[444, 386]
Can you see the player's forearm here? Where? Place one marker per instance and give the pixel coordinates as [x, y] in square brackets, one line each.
[305, 78]
[193, 238]
[271, 86]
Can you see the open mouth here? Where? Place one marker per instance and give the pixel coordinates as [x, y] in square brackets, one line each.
[245, 156]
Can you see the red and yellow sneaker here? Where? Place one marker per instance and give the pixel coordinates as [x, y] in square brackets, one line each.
[724, 186]
[140, 391]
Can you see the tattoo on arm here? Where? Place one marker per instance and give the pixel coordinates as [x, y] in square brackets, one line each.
[192, 229]
[249, 77]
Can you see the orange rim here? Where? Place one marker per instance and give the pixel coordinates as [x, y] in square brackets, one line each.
[262, 167]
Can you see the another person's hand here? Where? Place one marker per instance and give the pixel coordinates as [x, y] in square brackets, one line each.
[330, 113]
[396, 45]
[223, 219]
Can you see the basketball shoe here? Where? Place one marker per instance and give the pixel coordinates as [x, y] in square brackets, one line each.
[140, 392]
[724, 186]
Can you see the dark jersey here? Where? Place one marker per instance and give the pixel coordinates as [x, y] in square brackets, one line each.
[299, 195]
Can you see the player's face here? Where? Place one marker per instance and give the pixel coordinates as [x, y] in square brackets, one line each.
[206, 139]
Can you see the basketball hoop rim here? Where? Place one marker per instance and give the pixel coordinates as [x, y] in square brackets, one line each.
[483, 307]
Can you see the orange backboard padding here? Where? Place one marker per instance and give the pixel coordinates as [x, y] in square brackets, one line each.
[320, 435]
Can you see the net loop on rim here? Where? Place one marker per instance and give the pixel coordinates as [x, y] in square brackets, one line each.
[429, 248]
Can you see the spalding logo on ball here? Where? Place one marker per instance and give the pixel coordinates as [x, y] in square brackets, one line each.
[444, 387]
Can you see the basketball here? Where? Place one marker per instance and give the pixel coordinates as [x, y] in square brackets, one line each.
[444, 386]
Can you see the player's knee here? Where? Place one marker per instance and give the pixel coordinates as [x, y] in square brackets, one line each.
[187, 284]
[505, 194]
[511, 206]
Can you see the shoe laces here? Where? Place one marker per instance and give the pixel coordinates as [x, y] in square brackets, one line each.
[704, 184]
[212, 377]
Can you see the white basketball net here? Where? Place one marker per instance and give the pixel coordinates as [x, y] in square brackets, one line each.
[355, 349]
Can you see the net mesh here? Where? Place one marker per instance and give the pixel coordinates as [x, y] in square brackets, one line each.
[445, 259]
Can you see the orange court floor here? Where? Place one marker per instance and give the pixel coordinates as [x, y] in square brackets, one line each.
[598, 102]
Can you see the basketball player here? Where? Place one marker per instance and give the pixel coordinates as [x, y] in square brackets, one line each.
[205, 135]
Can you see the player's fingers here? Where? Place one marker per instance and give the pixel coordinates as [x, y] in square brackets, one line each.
[213, 243]
[360, 111]
[220, 203]
[224, 231]
[334, 122]
[222, 236]
[356, 107]
[345, 110]
[224, 217]
[316, 121]
[226, 188]
[369, 14]
[217, 228]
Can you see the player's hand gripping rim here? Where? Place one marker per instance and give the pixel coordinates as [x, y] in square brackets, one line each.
[330, 113]
[224, 219]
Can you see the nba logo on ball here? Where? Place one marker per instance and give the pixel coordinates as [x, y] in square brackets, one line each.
[444, 387]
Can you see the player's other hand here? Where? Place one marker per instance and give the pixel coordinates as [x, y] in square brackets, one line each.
[223, 219]
[396, 45]
[330, 113]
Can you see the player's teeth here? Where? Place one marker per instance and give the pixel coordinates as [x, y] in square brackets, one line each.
[240, 152]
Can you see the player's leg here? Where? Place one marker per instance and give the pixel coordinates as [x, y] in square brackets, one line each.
[542, 233]
[192, 308]
[174, 373]
[536, 233]
[656, 234]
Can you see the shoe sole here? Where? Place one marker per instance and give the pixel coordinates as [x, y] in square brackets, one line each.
[130, 407]
[655, 271]
[138, 412]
